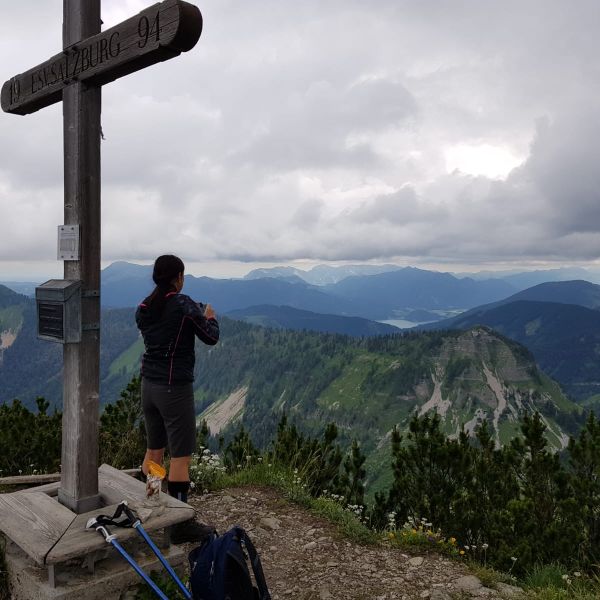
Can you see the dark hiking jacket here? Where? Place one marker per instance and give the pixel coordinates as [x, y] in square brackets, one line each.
[170, 338]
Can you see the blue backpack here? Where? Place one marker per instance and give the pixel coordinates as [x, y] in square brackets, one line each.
[219, 568]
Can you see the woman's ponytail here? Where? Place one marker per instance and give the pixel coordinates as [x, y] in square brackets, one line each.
[166, 269]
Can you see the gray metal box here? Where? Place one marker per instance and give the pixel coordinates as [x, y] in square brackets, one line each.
[59, 311]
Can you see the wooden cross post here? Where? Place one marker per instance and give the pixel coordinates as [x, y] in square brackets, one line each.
[90, 59]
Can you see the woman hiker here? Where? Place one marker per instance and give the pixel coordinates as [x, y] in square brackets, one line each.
[169, 322]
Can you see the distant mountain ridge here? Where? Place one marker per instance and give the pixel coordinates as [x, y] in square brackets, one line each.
[519, 280]
[559, 322]
[382, 296]
[321, 274]
[580, 292]
[388, 293]
[286, 317]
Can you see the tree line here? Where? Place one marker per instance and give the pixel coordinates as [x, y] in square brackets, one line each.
[524, 503]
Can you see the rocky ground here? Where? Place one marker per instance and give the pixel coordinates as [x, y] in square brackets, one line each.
[305, 557]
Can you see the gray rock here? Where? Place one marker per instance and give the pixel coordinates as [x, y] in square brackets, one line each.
[509, 591]
[416, 561]
[468, 583]
[309, 546]
[439, 594]
[270, 523]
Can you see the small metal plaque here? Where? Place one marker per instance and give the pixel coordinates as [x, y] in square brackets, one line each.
[68, 242]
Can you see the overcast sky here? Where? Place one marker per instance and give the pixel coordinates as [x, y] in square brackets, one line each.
[444, 134]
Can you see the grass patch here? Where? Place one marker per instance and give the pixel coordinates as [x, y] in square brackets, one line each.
[129, 360]
[348, 524]
[165, 583]
[554, 582]
[345, 392]
[489, 577]
[551, 593]
[508, 430]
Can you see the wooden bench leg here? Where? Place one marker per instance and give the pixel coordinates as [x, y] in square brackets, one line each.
[51, 576]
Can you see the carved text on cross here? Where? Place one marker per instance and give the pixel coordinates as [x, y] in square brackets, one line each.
[156, 34]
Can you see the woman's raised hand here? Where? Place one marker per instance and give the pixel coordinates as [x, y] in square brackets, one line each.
[209, 312]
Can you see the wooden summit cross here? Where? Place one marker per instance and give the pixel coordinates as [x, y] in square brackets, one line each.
[91, 58]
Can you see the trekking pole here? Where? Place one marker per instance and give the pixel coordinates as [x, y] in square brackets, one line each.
[137, 525]
[112, 539]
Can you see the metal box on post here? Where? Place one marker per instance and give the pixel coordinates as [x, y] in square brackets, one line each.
[59, 311]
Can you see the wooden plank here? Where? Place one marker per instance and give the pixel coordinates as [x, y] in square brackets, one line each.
[42, 478]
[51, 489]
[115, 486]
[158, 33]
[34, 521]
[29, 479]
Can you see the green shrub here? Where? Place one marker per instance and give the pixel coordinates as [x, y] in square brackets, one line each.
[122, 432]
[30, 442]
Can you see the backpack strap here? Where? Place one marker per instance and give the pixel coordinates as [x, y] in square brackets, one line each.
[256, 564]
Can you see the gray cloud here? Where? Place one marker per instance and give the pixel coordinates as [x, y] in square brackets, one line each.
[321, 131]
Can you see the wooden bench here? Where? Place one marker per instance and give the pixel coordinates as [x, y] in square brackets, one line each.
[51, 533]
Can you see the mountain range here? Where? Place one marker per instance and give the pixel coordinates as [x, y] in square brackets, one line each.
[365, 384]
[556, 321]
[518, 280]
[388, 295]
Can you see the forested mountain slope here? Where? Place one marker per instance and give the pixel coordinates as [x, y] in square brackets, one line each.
[30, 367]
[365, 385]
[286, 317]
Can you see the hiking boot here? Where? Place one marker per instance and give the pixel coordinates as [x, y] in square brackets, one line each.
[189, 531]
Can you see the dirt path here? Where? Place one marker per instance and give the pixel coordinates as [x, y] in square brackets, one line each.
[305, 558]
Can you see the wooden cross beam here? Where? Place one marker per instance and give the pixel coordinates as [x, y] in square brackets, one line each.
[91, 58]
[156, 34]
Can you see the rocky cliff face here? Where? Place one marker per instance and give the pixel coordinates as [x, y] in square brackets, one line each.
[466, 377]
[479, 376]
